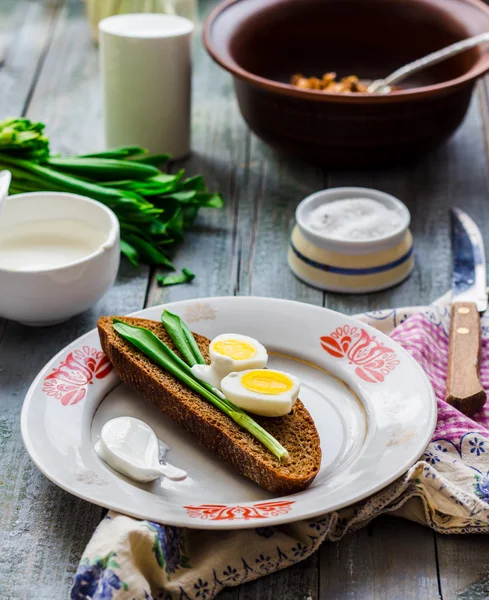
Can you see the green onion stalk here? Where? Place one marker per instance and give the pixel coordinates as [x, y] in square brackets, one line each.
[154, 208]
[146, 341]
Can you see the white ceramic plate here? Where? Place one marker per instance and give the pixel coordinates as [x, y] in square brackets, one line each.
[372, 404]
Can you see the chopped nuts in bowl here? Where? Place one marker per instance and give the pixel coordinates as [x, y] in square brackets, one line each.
[329, 83]
[263, 42]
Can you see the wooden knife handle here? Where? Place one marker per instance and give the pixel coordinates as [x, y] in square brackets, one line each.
[464, 390]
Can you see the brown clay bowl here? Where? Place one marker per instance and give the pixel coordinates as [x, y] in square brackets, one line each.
[263, 42]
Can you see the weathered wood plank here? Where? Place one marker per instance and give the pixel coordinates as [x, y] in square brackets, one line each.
[222, 248]
[67, 96]
[218, 151]
[464, 566]
[299, 582]
[21, 56]
[463, 560]
[25, 33]
[274, 188]
[43, 530]
[454, 174]
[391, 558]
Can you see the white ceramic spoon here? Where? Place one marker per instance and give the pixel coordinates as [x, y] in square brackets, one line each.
[131, 447]
[5, 178]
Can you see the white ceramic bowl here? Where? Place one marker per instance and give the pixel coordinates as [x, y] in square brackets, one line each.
[45, 296]
[353, 267]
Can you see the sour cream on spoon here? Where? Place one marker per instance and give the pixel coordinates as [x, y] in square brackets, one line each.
[131, 447]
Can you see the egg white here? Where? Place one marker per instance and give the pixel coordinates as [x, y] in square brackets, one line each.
[221, 365]
[266, 405]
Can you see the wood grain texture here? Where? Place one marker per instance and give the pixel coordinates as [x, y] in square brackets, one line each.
[44, 530]
[455, 174]
[275, 185]
[219, 140]
[22, 54]
[263, 191]
[299, 582]
[464, 389]
[464, 566]
[463, 561]
[67, 95]
[390, 558]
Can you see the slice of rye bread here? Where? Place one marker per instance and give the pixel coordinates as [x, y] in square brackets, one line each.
[209, 426]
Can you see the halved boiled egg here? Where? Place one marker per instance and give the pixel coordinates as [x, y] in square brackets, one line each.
[262, 391]
[230, 352]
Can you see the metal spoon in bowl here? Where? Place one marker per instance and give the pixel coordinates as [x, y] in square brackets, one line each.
[5, 178]
[383, 86]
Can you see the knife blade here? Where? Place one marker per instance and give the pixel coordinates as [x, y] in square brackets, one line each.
[469, 298]
[469, 261]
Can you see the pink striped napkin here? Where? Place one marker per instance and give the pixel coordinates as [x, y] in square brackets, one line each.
[427, 341]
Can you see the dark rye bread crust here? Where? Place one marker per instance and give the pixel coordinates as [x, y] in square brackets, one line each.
[211, 428]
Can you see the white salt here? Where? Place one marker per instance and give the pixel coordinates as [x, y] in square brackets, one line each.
[354, 219]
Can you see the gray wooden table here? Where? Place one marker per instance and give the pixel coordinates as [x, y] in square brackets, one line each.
[48, 71]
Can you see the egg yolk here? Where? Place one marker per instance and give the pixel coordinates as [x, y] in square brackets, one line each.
[235, 349]
[266, 382]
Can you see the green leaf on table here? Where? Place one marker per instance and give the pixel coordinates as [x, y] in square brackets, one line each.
[153, 207]
[140, 230]
[151, 159]
[130, 253]
[156, 188]
[148, 252]
[143, 216]
[103, 168]
[190, 213]
[122, 152]
[175, 225]
[210, 200]
[185, 196]
[203, 199]
[157, 228]
[193, 183]
[186, 276]
[168, 177]
[125, 205]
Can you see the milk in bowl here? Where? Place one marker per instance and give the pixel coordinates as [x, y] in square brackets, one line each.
[59, 253]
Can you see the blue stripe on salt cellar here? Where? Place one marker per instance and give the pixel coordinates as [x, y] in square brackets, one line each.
[354, 259]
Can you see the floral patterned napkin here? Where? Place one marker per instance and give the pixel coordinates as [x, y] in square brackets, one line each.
[129, 559]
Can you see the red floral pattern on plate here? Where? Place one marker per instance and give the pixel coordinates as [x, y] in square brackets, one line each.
[221, 512]
[374, 360]
[69, 381]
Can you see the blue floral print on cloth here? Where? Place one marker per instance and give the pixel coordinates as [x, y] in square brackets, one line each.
[129, 559]
[169, 547]
[96, 578]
